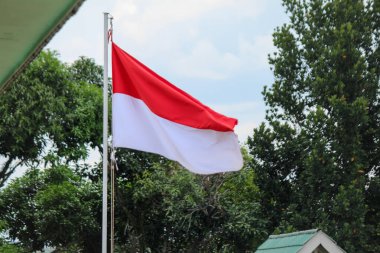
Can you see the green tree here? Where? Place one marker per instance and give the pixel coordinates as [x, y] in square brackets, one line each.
[160, 207]
[164, 208]
[85, 70]
[317, 157]
[51, 113]
[11, 248]
[52, 207]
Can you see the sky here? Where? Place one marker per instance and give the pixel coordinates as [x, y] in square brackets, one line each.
[215, 50]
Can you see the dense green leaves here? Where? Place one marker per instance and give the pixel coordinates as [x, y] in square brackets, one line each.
[52, 207]
[85, 70]
[317, 159]
[164, 208]
[46, 116]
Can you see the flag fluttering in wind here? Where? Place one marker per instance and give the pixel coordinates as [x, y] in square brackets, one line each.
[150, 114]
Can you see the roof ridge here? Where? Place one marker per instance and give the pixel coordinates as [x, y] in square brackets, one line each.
[311, 231]
[280, 247]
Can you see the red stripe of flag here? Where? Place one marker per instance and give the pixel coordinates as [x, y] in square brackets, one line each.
[133, 78]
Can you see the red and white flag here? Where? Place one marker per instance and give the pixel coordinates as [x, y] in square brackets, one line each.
[150, 114]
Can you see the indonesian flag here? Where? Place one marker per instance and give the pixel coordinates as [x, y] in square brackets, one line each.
[150, 114]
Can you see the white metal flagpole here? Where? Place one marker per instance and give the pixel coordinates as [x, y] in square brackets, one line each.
[105, 135]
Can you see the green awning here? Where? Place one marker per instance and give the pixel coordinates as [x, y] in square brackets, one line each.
[26, 26]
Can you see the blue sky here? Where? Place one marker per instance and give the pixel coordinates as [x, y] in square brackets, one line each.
[216, 50]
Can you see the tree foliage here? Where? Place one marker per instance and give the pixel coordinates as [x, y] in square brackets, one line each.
[52, 207]
[85, 70]
[50, 113]
[164, 208]
[317, 158]
[160, 208]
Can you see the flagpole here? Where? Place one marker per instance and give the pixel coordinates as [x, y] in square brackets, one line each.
[105, 135]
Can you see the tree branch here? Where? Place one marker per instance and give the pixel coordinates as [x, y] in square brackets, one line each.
[7, 169]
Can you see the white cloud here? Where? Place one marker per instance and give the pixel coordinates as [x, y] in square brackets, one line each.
[144, 20]
[174, 31]
[78, 47]
[206, 61]
[255, 52]
[235, 108]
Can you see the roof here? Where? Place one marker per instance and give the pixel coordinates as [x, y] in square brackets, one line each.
[286, 243]
[25, 28]
[307, 241]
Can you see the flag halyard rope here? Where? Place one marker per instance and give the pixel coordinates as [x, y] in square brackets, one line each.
[112, 232]
[112, 169]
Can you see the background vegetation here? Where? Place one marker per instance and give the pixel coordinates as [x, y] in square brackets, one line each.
[314, 162]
